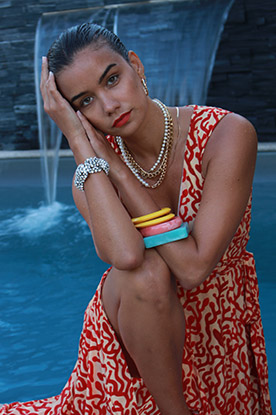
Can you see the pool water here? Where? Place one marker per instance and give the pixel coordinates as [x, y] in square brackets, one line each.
[49, 272]
[262, 244]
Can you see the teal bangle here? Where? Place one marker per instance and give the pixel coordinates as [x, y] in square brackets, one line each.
[163, 238]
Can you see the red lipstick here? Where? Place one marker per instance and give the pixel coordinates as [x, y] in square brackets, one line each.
[122, 120]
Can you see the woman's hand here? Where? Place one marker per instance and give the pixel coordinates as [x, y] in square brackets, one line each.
[103, 149]
[62, 113]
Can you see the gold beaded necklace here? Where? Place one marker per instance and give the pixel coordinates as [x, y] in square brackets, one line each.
[160, 166]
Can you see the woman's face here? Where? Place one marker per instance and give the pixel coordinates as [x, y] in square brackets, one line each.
[106, 89]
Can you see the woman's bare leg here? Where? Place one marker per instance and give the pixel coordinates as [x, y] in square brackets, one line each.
[144, 310]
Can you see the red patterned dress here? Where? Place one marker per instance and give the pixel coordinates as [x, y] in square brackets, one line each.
[224, 360]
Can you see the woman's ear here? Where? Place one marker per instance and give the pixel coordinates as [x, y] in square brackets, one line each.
[136, 63]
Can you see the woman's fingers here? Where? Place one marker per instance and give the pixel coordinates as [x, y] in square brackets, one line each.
[91, 132]
[50, 94]
[44, 78]
[44, 71]
[57, 107]
[56, 100]
[89, 129]
[83, 120]
[98, 141]
[54, 103]
[47, 86]
[62, 113]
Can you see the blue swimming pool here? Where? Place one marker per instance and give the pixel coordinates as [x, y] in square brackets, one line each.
[49, 272]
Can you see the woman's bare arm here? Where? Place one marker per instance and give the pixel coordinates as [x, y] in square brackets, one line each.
[229, 162]
[116, 239]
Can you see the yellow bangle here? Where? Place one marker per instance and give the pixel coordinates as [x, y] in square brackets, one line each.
[162, 219]
[152, 215]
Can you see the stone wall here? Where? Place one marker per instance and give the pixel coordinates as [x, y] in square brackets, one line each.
[243, 78]
[244, 75]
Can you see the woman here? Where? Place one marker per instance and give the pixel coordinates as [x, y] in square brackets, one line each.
[176, 328]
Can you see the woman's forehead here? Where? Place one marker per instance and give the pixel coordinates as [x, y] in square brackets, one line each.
[89, 65]
[96, 56]
[91, 60]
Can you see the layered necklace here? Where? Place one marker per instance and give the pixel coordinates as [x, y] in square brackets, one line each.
[159, 169]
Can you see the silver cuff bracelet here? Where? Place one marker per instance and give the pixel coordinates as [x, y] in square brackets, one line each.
[90, 166]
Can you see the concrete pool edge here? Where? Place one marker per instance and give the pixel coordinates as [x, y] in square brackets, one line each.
[23, 168]
[30, 154]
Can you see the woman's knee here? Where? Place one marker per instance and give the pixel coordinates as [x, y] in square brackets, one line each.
[151, 282]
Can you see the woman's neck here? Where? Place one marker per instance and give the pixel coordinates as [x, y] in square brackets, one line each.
[145, 144]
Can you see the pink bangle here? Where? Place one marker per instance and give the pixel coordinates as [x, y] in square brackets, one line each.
[162, 227]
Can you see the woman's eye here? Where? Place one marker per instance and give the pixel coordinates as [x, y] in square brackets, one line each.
[112, 79]
[86, 101]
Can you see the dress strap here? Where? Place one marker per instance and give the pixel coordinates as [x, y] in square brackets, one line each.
[178, 123]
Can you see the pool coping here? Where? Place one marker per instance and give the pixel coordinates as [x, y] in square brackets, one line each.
[30, 154]
[24, 168]
[27, 154]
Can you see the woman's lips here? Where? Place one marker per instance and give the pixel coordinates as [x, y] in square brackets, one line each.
[122, 120]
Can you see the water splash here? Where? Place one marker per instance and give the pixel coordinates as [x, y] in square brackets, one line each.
[33, 222]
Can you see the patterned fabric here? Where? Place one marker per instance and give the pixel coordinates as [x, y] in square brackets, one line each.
[224, 360]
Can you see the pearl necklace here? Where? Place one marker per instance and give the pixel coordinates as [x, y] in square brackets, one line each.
[160, 166]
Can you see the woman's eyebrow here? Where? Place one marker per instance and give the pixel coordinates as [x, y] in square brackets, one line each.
[77, 96]
[105, 72]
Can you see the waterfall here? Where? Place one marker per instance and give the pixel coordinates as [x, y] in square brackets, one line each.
[49, 26]
[48, 133]
[176, 41]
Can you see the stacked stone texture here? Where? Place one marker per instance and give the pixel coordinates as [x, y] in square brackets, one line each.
[243, 78]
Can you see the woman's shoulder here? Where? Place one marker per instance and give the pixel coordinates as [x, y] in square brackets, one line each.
[223, 123]
[203, 118]
[205, 111]
[233, 127]
[233, 138]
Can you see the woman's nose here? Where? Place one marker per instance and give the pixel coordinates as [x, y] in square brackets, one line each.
[110, 104]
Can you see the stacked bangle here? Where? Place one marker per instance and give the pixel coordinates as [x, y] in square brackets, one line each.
[166, 237]
[151, 216]
[161, 227]
[174, 223]
[156, 221]
[90, 166]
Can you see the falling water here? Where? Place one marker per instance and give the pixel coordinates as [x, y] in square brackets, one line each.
[176, 40]
[48, 28]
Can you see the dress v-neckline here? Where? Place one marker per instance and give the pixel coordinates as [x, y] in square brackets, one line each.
[184, 156]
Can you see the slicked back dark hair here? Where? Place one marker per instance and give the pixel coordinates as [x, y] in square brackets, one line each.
[77, 38]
